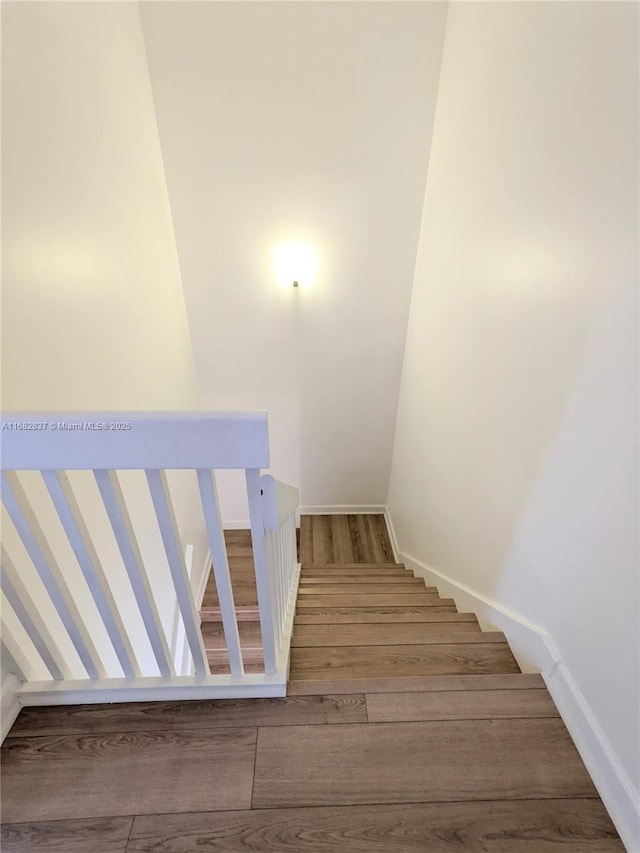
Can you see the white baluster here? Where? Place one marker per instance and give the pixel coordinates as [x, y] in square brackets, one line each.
[161, 498]
[50, 573]
[57, 482]
[252, 476]
[16, 662]
[211, 510]
[114, 503]
[32, 622]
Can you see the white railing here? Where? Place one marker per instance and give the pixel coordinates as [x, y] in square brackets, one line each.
[280, 504]
[84, 609]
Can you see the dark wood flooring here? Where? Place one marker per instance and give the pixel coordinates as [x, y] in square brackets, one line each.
[407, 728]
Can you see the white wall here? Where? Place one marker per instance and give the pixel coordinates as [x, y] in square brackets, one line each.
[515, 464]
[306, 121]
[93, 309]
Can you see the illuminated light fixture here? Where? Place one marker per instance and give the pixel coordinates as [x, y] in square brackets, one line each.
[295, 264]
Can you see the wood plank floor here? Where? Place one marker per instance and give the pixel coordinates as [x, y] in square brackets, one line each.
[340, 539]
[406, 728]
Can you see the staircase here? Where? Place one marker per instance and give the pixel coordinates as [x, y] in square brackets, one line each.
[373, 626]
[405, 727]
[243, 581]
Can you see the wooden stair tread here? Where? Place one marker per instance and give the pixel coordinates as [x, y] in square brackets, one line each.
[364, 566]
[244, 592]
[404, 633]
[337, 615]
[363, 588]
[427, 614]
[401, 661]
[221, 667]
[243, 614]
[213, 634]
[460, 705]
[365, 600]
[419, 683]
[339, 580]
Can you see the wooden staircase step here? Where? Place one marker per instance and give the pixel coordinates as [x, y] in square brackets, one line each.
[354, 568]
[244, 592]
[310, 578]
[420, 683]
[243, 614]
[241, 564]
[385, 635]
[221, 667]
[382, 613]
[413, 599]
[426, 615]
[374, 589]
[331, 665]
[459, 705]
[452, 637]
[216, 647]
[219, 659]
[237, 537]
[213, 634]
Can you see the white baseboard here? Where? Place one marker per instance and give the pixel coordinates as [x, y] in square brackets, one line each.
[392, 534]
[9, 704]
[199, 581]
[618, 793]
[535, 650]
[88, 692]
[343, 509]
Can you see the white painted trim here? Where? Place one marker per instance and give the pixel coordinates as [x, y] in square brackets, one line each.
[618, 792]
[524, 636]
[261, 567]
[242, 524]
[178, 636]
[284, 656]
[9, 704]
[535, 650]
[392, 534]
[149, 440]
[89, 692]
[199, 581]
[180, 648]
[170, 535]
[224, 588]
[344, 509]
[279, 501]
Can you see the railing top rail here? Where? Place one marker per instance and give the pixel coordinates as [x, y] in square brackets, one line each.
[133, 440]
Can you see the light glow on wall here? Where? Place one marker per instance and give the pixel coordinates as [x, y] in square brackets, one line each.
[295, 265]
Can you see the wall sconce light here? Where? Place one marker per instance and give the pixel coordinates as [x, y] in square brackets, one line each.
[295, 264]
